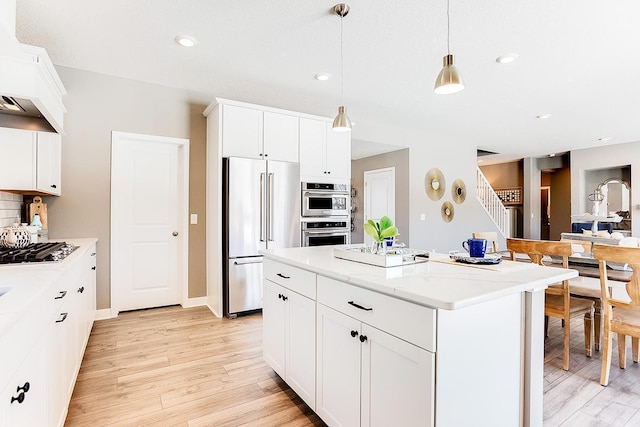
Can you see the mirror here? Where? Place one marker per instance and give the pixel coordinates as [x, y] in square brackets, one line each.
[615, 196]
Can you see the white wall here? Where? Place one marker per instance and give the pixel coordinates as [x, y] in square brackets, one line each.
[610, 156]
[456, 161]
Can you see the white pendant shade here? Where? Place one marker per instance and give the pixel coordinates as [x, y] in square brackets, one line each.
[449, 80]
[342, 123]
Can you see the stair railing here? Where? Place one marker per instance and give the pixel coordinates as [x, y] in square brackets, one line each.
[492, 204]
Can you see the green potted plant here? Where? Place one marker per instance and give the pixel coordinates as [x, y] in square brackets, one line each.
[379, 231]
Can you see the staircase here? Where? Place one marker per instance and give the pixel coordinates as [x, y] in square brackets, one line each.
[492, 204]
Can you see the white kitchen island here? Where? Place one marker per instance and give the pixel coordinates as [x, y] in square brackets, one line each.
[433, 343]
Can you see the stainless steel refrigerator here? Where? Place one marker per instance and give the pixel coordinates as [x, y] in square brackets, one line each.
[261, 210]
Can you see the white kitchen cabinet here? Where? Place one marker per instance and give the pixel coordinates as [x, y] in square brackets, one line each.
[289, 327]
[32, 162]
[324, 153]
[257, 134]
[23, 402]
[367, 377]
[49, 158]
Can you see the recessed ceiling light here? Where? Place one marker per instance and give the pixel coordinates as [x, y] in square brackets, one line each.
[322, 76]
[186, 41]
[543, 116]
[606, 138]
[505, 59]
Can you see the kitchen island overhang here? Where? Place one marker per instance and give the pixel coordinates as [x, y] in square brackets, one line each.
[479, 314]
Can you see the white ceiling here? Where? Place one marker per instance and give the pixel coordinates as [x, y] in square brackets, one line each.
[578, 60]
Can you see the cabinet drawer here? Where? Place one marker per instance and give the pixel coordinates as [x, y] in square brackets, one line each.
[300, 281]
[410, 322]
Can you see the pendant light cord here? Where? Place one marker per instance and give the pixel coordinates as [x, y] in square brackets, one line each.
[341, 64]
[448, 50]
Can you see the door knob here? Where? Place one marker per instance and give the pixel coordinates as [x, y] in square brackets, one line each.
[174, 234]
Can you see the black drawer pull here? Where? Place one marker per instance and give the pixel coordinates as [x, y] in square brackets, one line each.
[363, 338]
[64, 317]
[21, 391]
[283, 276]
[93, 268]
[354, 334]
[81, 289]
[54, 186]
[356, 305]
[93, 254]
[62, 295]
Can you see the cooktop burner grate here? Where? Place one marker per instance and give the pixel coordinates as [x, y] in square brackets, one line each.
[36, 252]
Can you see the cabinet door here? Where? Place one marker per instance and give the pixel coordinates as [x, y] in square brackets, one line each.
[338, 153]
[280, 137]
[273, 327]
[397, 381]
[301, 346]
[24, 400]
[241, 132]
[57, 368]
[312, 141]
[18, 152]
[49, 163]
[338, 376]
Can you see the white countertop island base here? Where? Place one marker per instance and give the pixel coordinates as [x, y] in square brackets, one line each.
[435, 343]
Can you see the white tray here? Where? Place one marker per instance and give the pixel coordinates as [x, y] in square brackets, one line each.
[362, 254]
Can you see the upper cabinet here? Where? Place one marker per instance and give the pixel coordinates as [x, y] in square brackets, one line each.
[257, 134]
[324, 153]
[31, 162]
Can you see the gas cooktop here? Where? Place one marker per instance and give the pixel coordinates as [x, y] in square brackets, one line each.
[36, 252]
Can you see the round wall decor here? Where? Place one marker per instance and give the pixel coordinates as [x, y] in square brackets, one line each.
[434, 184]
[447, 211]
[459, 191]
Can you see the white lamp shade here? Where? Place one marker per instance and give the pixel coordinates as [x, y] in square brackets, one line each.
[449, 80]
[342, 123]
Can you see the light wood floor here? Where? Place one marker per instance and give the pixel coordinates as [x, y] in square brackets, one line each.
[172, 366]
[181, 367]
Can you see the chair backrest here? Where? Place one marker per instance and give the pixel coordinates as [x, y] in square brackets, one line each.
[489, 236]
[621, 254]
[536, 250]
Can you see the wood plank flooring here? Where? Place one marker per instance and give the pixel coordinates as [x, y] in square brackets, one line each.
[184, 367]
[181, 367]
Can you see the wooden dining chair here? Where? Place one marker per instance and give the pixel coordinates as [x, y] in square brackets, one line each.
[625, 319]
[490, 236]
[558, 301]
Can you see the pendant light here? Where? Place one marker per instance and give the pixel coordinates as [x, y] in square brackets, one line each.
[449, 80]
[341, 123]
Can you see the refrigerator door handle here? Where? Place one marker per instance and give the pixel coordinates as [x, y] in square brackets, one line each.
[262, 209]
[249, 261]
[270, 214]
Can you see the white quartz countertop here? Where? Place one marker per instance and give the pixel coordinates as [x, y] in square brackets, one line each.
[26, 281]
[438, 283]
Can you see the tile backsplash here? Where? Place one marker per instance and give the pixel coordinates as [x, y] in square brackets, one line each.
[10, 206]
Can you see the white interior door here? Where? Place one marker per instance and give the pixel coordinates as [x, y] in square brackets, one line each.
[379, 196]
[149, 190]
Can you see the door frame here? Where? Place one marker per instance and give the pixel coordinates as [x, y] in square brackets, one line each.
[182, 203]
[365, 238]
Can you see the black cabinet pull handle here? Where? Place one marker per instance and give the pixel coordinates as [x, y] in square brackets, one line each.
[81, 289]
[21, 392]
[64, 317]
[279, 296]
[356, 305]
[93, 254]
[93, 268]
[363, 338]
[283, 276]
[62, 295]
[354, 334]
[54, 186]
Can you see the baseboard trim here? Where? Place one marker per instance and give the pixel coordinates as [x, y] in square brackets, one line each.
[105, 313]
[195, 302]
[213, 311]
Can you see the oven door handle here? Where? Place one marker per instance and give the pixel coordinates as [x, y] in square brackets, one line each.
[328, 232]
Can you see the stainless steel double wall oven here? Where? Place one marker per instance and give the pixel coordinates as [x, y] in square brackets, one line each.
[325, 214]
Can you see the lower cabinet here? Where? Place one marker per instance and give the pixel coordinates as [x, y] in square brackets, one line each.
[289, 338]
[23, 402]
[366, 377]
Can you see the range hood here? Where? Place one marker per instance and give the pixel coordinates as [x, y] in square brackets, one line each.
[30, 91]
